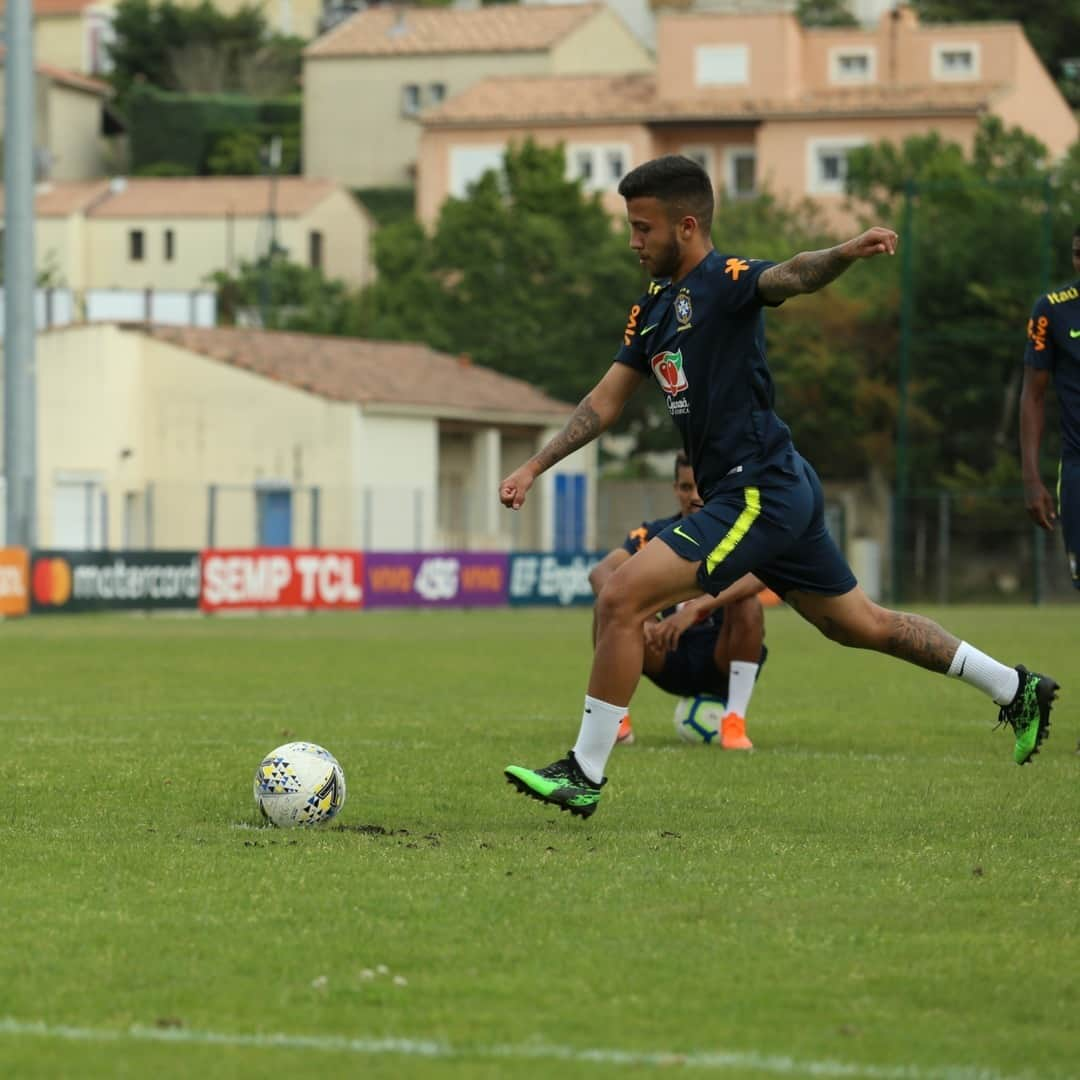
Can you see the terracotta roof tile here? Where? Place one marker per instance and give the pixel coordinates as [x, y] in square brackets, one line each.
[211, 196]
[67, 197]
[633, 98]
[390, 30]
[56, 7]
[367, 372]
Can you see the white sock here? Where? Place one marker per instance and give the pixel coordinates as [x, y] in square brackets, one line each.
[983, 671]
[741, 676]
[596, 739]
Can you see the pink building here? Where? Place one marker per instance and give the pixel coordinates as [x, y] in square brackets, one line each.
[759, 100]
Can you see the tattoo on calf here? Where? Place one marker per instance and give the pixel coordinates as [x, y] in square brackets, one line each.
[921, 641]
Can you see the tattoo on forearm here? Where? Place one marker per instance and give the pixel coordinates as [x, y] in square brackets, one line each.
[803, 273]
[580, 429]
[921, 641]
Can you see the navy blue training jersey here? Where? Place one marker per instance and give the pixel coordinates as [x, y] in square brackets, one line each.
[1054, 345]
[703, 340]
[637, 538]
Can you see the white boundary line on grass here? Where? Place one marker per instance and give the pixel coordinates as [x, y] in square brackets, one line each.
[716, 1060]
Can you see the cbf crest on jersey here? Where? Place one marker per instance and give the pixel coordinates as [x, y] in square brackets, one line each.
[668, 369]
[684, 310]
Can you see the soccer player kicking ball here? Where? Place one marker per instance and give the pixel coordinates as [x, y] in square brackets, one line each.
[699, 331]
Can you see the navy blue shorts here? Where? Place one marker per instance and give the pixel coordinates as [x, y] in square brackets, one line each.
[776, 531]
[691, 668]
[1069, 513]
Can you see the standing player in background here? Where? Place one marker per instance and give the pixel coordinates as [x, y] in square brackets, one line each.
[704, 646]
[699, 332]
[1053, 350]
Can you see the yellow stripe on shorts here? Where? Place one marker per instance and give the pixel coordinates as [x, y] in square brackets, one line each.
[737, 531]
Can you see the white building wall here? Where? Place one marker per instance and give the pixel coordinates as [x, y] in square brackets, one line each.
[395, 468]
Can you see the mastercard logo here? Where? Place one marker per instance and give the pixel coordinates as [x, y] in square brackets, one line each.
[51, 582]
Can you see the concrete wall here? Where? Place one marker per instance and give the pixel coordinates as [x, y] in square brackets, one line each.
[133, 412]
[74, 140]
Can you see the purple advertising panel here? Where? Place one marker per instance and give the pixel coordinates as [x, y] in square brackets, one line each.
[435, 579]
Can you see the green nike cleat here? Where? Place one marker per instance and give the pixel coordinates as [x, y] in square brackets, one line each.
[562, 783]
[1028, 714]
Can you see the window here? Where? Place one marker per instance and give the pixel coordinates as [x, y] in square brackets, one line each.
[701, 154]
[436, 93]
[581, 166]
[599, 168]
[827, 164]
[848, 65]
[315, 249]
[615, 166]
[722, 65]
[740, 172]
[135, 245]
[410, 99]
[469, 163]
[170, 245]
[955, 61]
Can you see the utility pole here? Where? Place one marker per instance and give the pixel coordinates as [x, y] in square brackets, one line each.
[20, 392]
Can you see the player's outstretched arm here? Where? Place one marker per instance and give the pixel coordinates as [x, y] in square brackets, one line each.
[812, 270]
[600, 409]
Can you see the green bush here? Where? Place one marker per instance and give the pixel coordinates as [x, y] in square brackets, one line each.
[186, 131]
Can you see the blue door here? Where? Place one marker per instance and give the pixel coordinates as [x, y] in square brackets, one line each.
[569, 512]
[275, 517]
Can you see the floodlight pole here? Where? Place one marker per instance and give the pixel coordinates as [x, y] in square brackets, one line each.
[20, 395]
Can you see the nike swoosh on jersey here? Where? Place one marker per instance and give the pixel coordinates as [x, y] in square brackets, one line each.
[649, 329]
[686, 536]
[1074, 333]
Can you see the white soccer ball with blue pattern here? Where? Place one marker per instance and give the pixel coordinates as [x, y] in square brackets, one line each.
[697, 719]
[299, 783]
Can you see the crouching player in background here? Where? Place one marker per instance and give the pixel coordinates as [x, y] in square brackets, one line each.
[710, 645]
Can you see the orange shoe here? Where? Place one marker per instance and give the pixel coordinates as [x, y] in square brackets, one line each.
[626, 732]
[733, 733]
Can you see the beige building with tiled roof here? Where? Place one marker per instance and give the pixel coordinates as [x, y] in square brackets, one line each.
[367, 80]
[758, 99]
[68, 123]
[172, 233]
[173, 437]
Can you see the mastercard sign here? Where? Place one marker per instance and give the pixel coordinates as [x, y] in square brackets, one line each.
[14, 595]
[113, 580]
[51, 583]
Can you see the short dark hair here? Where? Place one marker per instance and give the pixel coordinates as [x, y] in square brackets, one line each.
[681, 462]
[681, 184]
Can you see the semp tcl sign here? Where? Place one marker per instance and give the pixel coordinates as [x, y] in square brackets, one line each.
[280, 578]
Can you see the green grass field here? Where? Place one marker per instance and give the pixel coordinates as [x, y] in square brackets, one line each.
[876, 892]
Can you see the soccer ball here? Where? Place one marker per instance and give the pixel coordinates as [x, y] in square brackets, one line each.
[697, 719]
[299, 784]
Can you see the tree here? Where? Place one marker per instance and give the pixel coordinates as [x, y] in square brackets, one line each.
[200, 49]
[283, 295]
[526, 274]
[977, 245]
